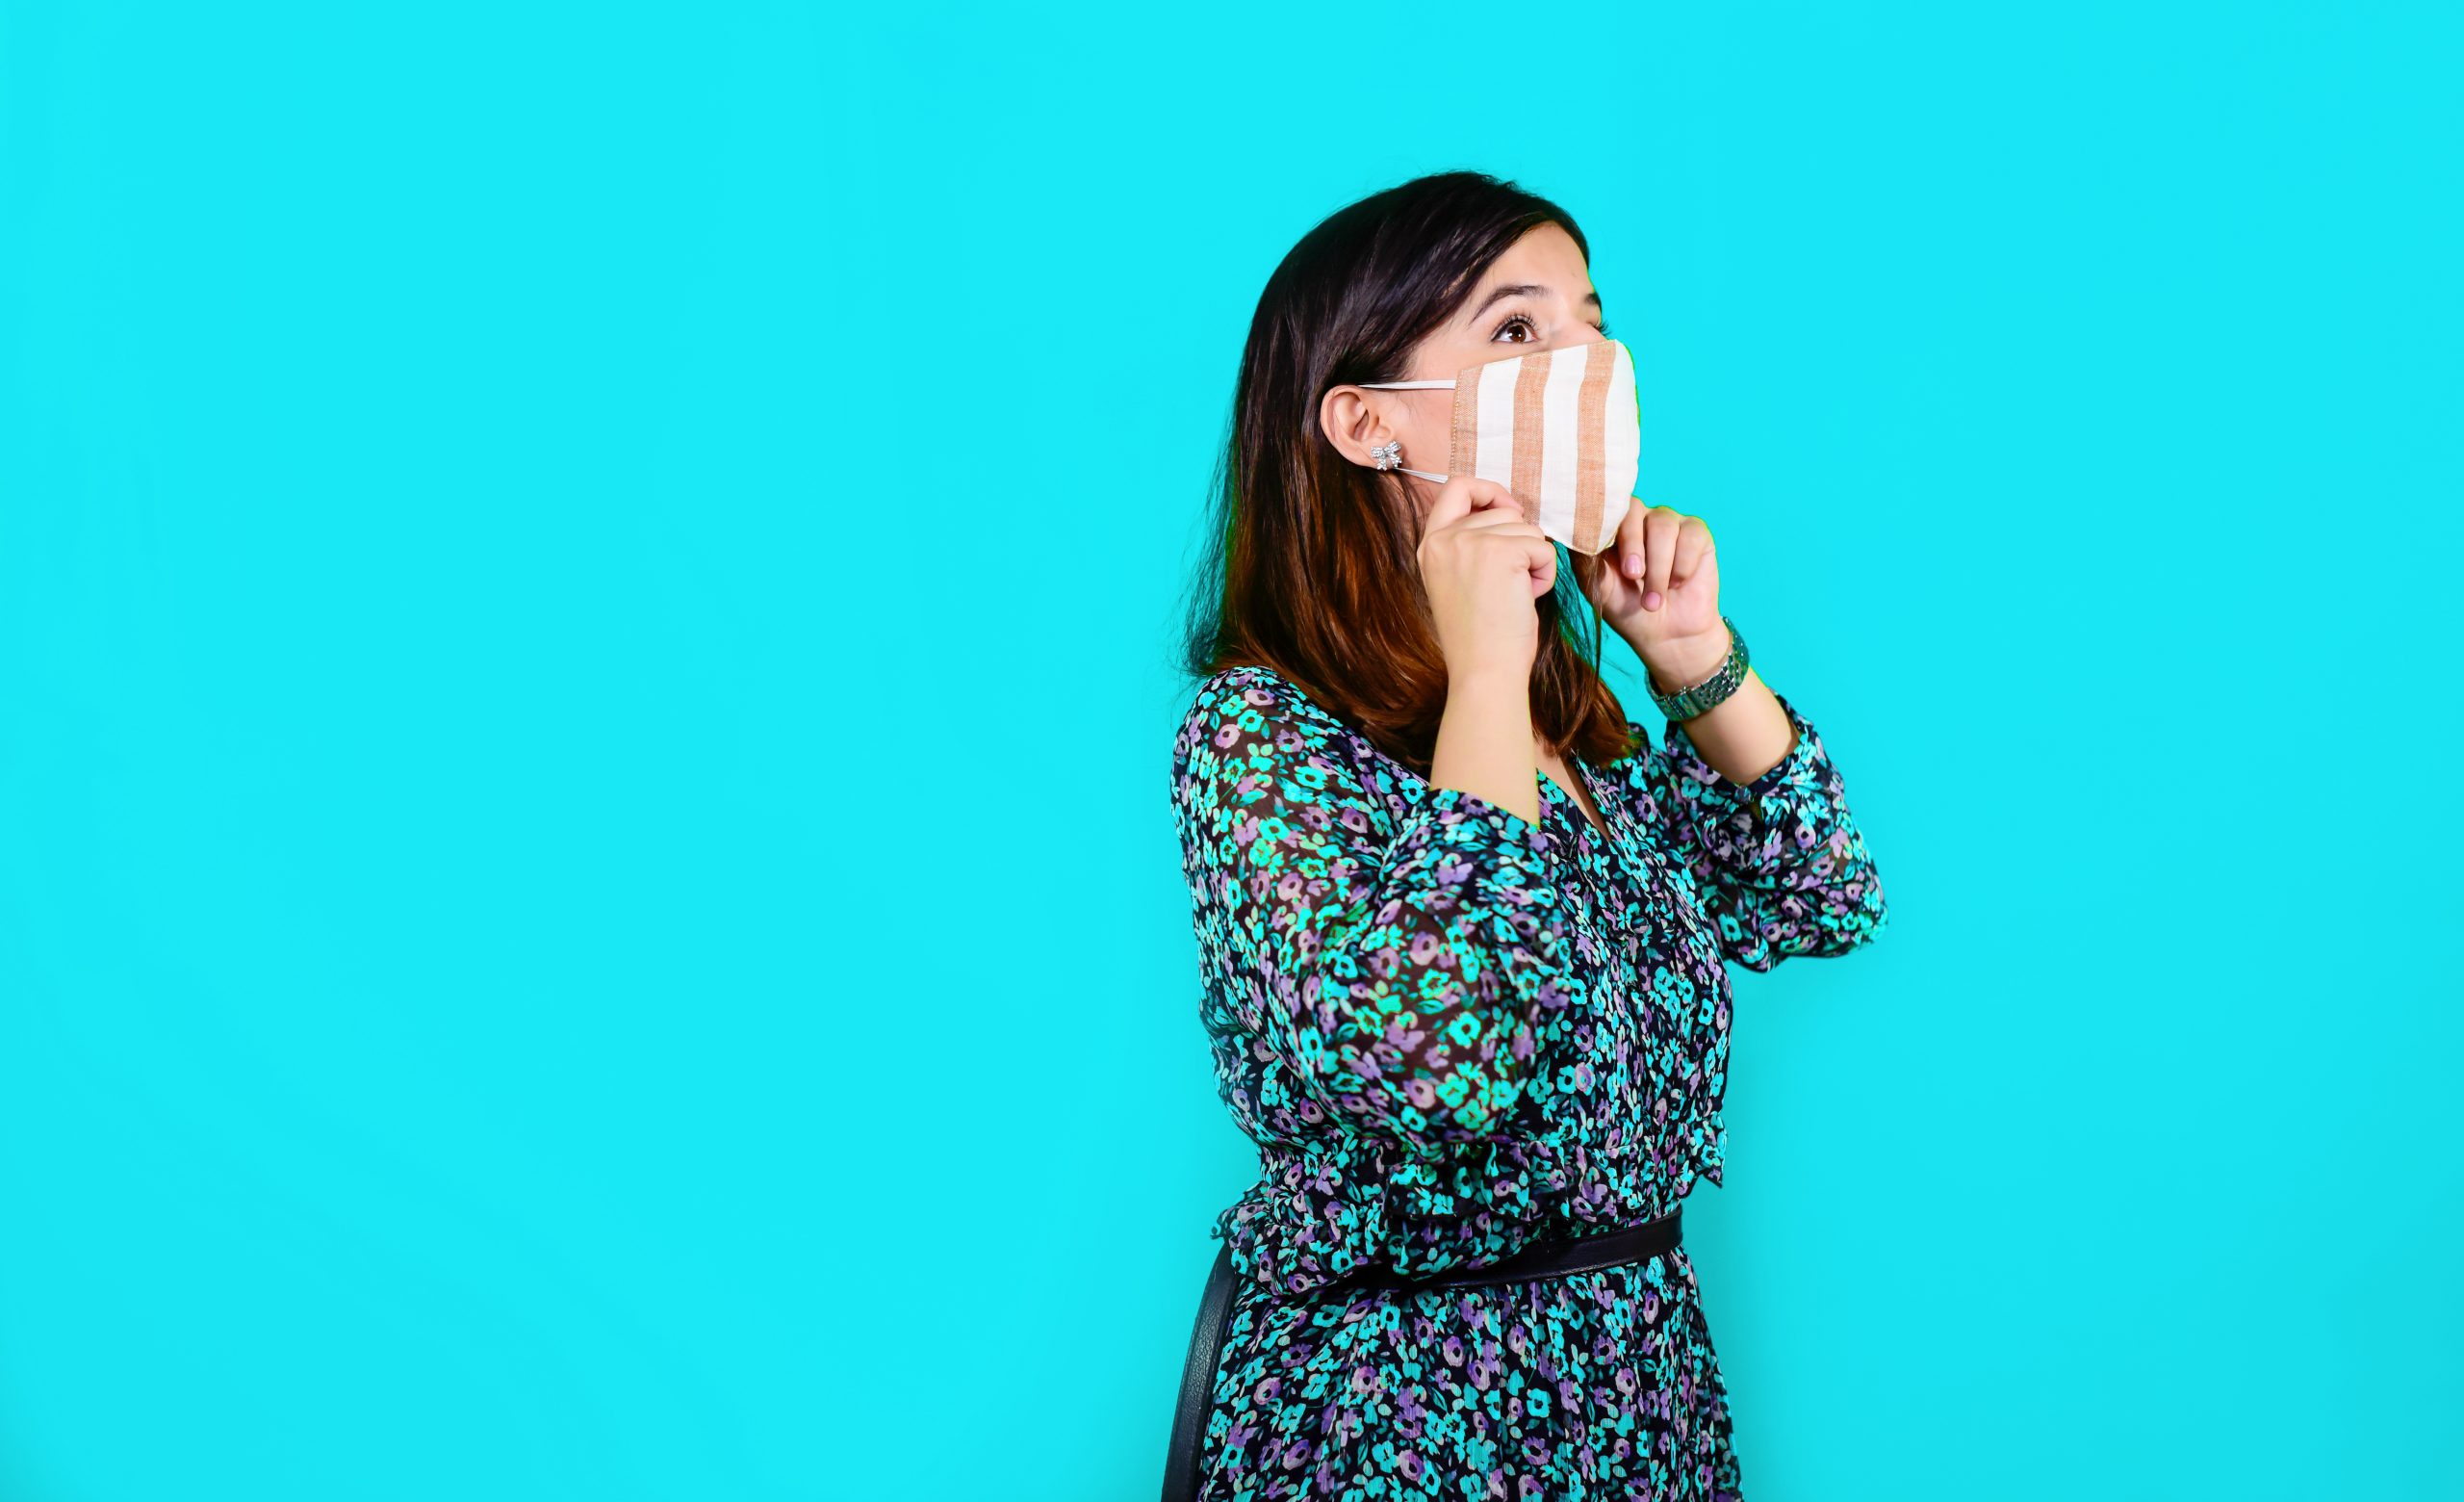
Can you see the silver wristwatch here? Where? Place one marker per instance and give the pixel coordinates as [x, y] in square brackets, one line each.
[1686, 703]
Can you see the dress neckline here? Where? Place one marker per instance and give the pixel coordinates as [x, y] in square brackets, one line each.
[1594, 835]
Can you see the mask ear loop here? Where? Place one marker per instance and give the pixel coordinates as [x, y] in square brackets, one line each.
[1389, 455]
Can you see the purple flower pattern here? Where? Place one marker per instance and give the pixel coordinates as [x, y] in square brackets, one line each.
[1451, 1031]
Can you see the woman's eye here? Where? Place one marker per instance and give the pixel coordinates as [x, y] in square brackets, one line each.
[1517, 320]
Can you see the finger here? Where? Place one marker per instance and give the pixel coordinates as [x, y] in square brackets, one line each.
[1466, 498]
[1630, 540]
[1693, 547]
[1660, 551]
[1504, 517]
[1454, 503]
[1492, 506]
[1539, 561]
[1526, 548]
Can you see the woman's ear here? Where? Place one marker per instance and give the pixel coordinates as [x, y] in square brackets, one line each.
[1353, 423]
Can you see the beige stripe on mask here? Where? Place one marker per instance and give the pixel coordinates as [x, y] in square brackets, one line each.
[1463, 443]
[1530, 422]
[1591, 446]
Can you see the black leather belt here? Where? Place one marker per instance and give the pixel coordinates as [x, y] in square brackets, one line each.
[1552, 1257]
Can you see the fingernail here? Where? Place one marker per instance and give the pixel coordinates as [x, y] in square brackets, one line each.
[1634, 565]
[1650, 599]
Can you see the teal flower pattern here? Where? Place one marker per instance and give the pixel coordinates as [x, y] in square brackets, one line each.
[1451, 1031]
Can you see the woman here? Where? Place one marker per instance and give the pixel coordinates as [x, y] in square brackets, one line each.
[1461, 924]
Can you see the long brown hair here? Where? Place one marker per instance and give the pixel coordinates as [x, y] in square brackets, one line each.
[1317, 574]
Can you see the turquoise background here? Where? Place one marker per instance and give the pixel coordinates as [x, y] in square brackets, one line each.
[587, 902]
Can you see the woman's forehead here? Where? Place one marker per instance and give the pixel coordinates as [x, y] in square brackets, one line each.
[1545, 262]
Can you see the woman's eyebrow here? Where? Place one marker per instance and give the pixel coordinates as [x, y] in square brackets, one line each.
[1516, 289]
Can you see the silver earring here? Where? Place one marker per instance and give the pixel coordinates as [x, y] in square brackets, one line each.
[1388, 454]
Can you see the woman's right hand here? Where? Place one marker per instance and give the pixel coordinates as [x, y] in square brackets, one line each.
[1483, 565]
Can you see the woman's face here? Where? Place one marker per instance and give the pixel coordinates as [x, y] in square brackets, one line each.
[1537, 296]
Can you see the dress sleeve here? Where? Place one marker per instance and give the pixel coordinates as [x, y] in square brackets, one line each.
[1396, 966]
[1778, 863]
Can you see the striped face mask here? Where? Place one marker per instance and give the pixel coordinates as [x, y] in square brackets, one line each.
[1559, 428]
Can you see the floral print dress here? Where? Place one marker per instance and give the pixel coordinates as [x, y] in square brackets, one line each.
[1451, 1031]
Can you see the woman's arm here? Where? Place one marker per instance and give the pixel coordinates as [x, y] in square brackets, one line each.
[1397, 968]
[1484, 742]
[1776, 857]
[1744, 735]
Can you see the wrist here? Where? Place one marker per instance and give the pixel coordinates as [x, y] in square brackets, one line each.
[1488, 672]
[1682, 663]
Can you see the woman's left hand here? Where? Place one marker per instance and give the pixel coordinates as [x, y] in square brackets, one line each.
[1657, 584]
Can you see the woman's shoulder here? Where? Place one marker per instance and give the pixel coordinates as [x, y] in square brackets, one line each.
[1256, 693]
[1244, 719]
